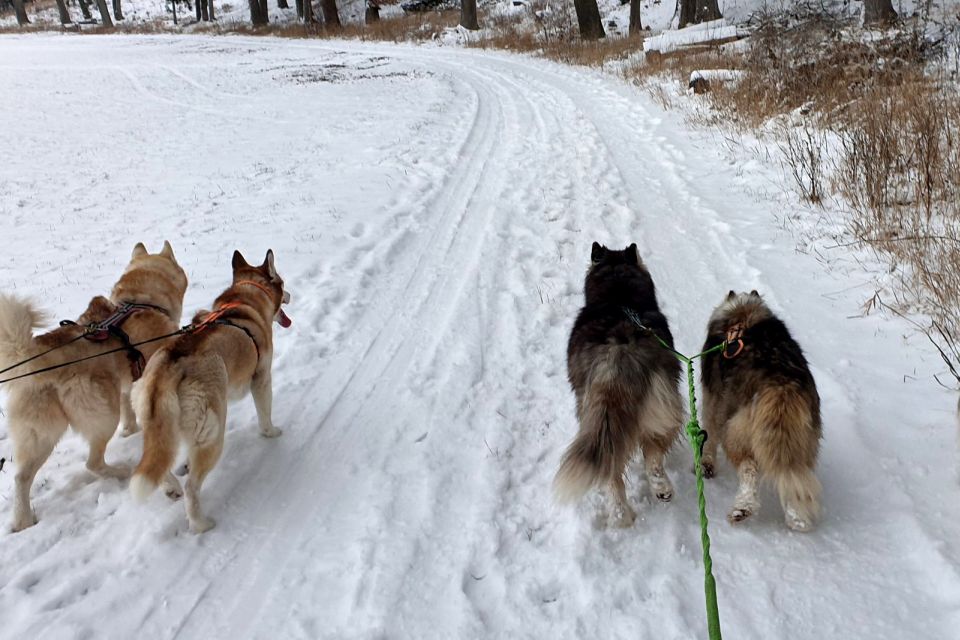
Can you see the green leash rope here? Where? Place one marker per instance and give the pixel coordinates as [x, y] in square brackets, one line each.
[697, 437]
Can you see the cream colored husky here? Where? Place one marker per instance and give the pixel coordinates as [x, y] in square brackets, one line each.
[90, 396]
[184, 392]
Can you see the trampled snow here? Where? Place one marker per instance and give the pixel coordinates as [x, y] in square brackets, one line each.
[432, 211]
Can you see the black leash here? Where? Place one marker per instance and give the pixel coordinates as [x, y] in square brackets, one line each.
[187, 329]
[40, 355]
[129, 347]
[98, 332]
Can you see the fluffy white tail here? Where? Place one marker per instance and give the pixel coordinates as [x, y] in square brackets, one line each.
[18, 319]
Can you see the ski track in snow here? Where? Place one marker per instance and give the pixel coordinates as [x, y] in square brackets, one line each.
[432, 212]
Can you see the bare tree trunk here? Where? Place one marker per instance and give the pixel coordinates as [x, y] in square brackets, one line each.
[210, 10]
[117, 10]
[257, 15]
[264, 11]
[588, 17]
[85, 9]
[196, 9]
[708, 10]
[372, 14]
[697, 11]
[104, 13]
[308, 12]
[331, 17]
[282, 4]
[635, 25]
[204, 12]
[22, 18]
[300, 9]
[468, 15]
[877, 12]
[64, 14]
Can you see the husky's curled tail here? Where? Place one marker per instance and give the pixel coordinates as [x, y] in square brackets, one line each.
[157, 404]
[18, 319]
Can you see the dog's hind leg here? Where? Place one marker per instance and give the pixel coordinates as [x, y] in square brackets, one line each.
[737, 445]
[623, 514]
[712, 423]
[98, 435]
[746, 503]
[654, 450]
[127, 416]
[659, 426]
[171, 487]
[36, 424]
[203, 457]
[94, 411]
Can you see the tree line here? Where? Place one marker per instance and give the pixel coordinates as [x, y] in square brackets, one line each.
[588, 13]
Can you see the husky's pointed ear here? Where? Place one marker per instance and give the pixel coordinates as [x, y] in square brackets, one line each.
[731, 294]
[597, 252]
[167, 251]
[755, 293]
[268, 265]
[238, 261]
[139, 251]
[634, 253]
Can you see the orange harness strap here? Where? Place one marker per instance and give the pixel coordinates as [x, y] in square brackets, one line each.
[257, 285]
[216, 314]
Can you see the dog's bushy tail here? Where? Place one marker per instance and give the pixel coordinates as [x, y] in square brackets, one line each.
[18, 319]
[158, 410]
[601, 448]
[786, 441]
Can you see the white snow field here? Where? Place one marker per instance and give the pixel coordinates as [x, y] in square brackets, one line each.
[432, 211]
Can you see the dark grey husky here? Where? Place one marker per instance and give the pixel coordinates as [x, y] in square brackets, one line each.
[626, 384]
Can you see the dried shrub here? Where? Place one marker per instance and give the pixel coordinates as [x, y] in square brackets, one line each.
[803, 150]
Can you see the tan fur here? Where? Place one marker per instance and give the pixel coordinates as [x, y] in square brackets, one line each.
[91, 396]
[185, 390]
[775, 432]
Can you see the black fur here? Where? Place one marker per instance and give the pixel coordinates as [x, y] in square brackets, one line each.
[617, 279]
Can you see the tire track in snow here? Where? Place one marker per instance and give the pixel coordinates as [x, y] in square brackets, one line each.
[386, 357]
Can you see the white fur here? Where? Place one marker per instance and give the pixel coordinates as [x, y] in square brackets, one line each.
[141, 487]
[18, 319]
[746, 503]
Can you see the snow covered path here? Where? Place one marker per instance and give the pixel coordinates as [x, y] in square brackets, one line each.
[432, 212]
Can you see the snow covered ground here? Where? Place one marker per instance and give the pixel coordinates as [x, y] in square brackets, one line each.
[432, 211]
